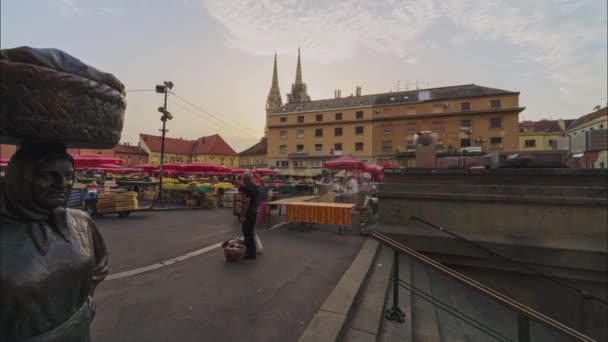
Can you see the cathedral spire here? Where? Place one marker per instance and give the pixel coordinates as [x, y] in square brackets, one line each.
[299, 70]
[274, 100]
[299, 92]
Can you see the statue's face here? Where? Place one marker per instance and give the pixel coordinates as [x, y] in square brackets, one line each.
[53, 183]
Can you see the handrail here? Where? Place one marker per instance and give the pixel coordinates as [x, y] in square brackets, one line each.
[476, 245]
[484, 290]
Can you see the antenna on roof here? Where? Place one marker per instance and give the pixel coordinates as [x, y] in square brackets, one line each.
[417, 85]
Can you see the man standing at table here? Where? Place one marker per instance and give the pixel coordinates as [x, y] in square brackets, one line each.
[249, 213]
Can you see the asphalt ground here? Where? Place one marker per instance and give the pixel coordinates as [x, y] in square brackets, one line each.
[204, 298]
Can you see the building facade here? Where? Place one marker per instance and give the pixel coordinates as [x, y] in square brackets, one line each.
[255, 156]
[463, 119]
[211, 150]
[587, 139]
[542, 135]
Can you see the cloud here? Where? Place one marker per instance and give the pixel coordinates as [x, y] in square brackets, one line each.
[80, 7]
[557, 35]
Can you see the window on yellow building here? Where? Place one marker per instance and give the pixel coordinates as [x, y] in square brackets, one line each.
[411, 127]
[283, 149]
[387, 130]
[319, 117]
[283, 135]
[494, 104]
[318, 147]
[338, 131]
[231, 162]
[358, 146]
[283, 119]
[338, 147]
[530, 143]
[221, 161]
[496, 123]
[465, 106]
[496, 140]
[172, 159]
[338, 116]
[300, 133]
[359, 130]
[437, 126]
[319, 132]
[359, 115]
[465, 142]
[300, 148]
[300, 119]
[387, 146]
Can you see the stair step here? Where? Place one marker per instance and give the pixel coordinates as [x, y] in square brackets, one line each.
[483, 309]
[368, 309]
[425, 325]
[451, 328]
[391, 331]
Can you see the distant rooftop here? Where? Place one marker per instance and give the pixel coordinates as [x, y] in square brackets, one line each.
[589, 117]
[401, 97]
[540, 126]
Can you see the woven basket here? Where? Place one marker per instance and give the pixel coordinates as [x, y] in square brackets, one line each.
[234, 254]
[47, 95]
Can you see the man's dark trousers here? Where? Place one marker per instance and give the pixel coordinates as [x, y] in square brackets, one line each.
[248, 227]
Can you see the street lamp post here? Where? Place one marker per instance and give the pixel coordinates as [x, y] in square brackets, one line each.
[163, 88]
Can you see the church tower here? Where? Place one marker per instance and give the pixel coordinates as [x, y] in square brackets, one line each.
[274, 100]
[298, 90]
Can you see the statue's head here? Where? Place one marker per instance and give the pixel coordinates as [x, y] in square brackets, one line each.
[39, 178]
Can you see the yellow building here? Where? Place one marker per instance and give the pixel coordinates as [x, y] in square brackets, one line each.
[255, 156]
[381, 127]
[541, 135]
[464, 119]
[212, 150]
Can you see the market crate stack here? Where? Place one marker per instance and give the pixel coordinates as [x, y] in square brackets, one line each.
[363, 215]
[149, 194]
[126, 201]
[106, 202]
[238, 204]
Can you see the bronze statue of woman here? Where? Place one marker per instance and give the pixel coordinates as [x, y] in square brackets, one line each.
[51, 258]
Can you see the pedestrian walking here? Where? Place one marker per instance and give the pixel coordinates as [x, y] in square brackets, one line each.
[249, 213]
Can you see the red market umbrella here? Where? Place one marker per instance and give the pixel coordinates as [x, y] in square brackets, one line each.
[237, 171]
[173, 166]
[95, 159]
[264, 171]
[344, 163]
[146, 167]
[199, 167]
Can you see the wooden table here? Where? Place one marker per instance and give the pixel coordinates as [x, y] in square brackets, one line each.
[287, 201]
[322, 213]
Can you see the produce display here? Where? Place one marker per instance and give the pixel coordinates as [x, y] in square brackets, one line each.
[106, 202]
[126, 201]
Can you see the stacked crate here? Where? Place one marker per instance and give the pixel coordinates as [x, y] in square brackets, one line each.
[106, 202]
[149, 195]
[238, 204]
[126, 201]
[364, 214]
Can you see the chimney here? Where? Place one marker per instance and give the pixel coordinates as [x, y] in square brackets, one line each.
[598, 107]
[337, 93]
[358, 91]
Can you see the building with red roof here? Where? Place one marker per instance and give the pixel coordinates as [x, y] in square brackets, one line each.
[255, 156]
[542, 135]
[211, 149]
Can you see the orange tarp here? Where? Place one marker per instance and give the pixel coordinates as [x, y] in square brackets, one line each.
[322, 213]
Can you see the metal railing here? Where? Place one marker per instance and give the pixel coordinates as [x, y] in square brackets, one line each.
[554, 280]
[525, 314]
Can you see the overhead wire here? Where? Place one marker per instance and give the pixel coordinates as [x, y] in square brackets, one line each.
[192, 112]
[138, 90]
[211, 115]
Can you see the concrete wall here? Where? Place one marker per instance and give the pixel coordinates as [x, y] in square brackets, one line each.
[545, 210]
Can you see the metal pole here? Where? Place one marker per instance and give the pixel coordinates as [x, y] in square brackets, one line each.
[523, 328]
[162, 150]
[395, 313]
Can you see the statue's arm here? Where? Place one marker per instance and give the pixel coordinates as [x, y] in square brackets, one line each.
[101, 257]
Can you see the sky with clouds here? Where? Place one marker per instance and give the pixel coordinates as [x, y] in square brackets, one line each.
[219, 53]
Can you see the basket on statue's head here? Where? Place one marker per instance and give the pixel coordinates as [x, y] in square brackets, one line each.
[49, 96]
[424, 138]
